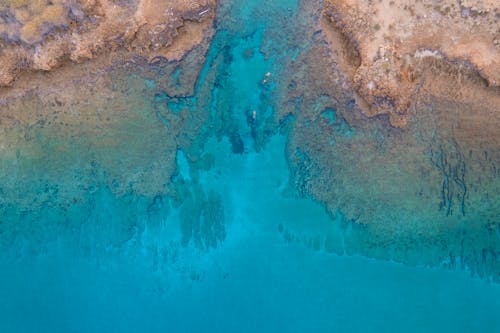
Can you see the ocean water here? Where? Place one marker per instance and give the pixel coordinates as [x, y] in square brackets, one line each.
[186, 215]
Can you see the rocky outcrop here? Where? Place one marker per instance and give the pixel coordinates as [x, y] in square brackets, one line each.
[388, 45]
[43, 35]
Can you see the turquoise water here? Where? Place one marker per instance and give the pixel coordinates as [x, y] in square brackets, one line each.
[233, 246]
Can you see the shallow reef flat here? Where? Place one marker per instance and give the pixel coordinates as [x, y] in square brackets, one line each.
[417, 178]
[251, 160]
[423, 193]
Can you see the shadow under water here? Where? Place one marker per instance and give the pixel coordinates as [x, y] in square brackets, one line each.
[237, 190]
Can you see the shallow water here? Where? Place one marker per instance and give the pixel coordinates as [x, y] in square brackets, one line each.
[228, 245]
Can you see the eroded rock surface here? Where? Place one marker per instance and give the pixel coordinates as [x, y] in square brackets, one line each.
[391, 47]
[42, 35]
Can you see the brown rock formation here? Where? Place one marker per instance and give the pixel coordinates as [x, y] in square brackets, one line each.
[42, 35]
[388, 45]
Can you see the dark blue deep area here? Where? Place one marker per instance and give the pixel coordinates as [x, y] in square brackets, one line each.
[253, 280]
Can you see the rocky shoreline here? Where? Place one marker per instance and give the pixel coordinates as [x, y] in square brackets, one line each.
[389, 48]
[41, 36]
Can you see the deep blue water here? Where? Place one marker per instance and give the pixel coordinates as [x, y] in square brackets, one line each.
[234, 271]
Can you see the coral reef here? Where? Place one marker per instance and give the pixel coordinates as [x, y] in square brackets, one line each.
[420, 184]
[389, 125]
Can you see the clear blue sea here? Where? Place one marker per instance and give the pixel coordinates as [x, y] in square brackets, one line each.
[216, 256]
